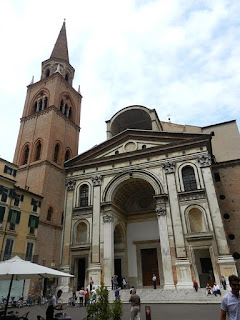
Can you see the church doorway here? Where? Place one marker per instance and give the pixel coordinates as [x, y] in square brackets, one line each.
[118, 270]
[204, 267]
[149, 266]
[81, 273]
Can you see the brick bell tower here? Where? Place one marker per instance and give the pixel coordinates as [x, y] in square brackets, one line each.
[48, 136]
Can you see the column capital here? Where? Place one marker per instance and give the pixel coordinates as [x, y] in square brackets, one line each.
[169, 166]
[70, 185]
[107, 218]
[97, 180]
[161, 211]
[204, 160]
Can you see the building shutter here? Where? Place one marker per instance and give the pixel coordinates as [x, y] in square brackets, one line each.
[1, 189]
[36, 222]
[14, 173]
[21, 197]
[5, 169]
[18, 216]
[10, 215]
[33, 202]
[12, 193]
[2, 212]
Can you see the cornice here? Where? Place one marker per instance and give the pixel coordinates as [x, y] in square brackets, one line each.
[47, 110]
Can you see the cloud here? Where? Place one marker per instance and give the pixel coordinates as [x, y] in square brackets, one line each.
[178, 56]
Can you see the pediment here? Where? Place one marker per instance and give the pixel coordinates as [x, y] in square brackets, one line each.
[135, 142]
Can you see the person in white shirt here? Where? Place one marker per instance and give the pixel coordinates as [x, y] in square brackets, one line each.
[231, 301]
[216, 289]
[154, 279]
[53, 304]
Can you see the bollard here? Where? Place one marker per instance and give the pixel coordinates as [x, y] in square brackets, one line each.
[148, 313]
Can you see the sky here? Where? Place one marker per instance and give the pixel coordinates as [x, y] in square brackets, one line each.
[180, 57]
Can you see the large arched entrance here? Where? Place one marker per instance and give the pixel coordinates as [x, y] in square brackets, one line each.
[137, 253]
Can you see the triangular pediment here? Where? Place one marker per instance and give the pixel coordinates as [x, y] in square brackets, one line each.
[134, 143]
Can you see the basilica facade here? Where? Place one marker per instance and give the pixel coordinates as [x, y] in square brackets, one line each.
[144, 202]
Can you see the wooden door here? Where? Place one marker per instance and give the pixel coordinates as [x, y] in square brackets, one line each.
[149, 266]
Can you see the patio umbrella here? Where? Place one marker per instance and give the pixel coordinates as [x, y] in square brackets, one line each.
[18, 269]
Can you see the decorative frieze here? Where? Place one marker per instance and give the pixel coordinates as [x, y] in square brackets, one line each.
[70, 185]
[169, 166]
[107, 218]
[204, 160]
[97, 180]
[161, 212]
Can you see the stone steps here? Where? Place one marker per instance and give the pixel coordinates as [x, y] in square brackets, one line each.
[169, 296]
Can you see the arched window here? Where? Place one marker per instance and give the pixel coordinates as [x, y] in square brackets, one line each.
[25, 155]
[66, 106]
[40, 102]
[67, 155]
[81, 233]
[49, 214]
[196, 220]
[66, 77]
[56, 153]
[47, 73]
[84, 195]
[189, 180]
[38, 151]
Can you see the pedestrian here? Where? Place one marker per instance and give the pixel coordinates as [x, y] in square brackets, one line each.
[231, 301]
[53, 304]
[208, 289]
[112, 282]
[216, 289]
[124, 283]
[117, 293]
[86, 297]
[74, 293]
[93, 296]
[91, 283]
[115, 282]
[154, 279]
[131, 289]
[195, 285]
[223, 281]
[135, 306]
[81, 296]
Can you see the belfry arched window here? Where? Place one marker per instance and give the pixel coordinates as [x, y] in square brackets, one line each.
[38, 151]
[56, 153]
[189, 179]
[66, 106]
[84, 189]
[47, 73]
[67, 155]
[40, 102]
[25, 155]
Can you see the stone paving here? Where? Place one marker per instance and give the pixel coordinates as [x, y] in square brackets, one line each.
[158, 311]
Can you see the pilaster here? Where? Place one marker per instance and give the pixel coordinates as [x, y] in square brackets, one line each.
[169, 167]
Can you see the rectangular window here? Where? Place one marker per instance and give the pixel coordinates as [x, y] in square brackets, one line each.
[29, 251]
[35, 205]
[17, 198]
[8, 249]
[33, 223]
[13, 218]
[4, 193]
[10, 171]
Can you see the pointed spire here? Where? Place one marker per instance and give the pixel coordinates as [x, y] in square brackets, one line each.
[60, 49]
[32, 82]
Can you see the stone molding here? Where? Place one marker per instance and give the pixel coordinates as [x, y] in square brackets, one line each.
[107, 218]
[204, 160]
[70, 185]
[169, 166]
[161, 212]
[97, 180]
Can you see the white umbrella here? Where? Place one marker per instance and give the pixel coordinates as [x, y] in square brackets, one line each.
[18, 269]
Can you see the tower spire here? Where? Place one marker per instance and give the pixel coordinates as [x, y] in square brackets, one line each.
[60, 50]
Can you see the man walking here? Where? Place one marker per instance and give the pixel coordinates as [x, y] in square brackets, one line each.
[231, 301]
[135, 306]
[53, 304]
[154, 279]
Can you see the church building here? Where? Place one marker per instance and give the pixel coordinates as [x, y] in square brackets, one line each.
[144, 202]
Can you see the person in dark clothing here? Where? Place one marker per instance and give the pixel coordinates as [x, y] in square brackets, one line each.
[53, 304]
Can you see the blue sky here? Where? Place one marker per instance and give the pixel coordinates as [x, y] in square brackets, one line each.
[180, 57]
